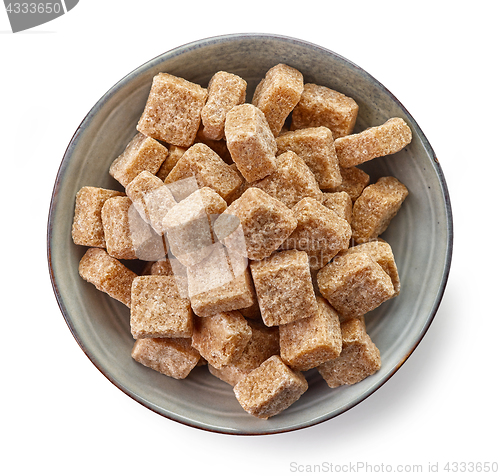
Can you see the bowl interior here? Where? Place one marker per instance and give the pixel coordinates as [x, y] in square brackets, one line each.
[420, 235]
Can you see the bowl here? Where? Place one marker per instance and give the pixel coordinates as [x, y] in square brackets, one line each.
[420, 235]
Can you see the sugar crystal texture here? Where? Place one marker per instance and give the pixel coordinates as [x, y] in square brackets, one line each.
[309, 342]
[284, 287]
[250, 142]
[320, 232]
[221, 338]
[174, 154]
[277, 94]
[189, 225]
[354, 181]
[354, 284]
[151, 198]
[255, 225]
[209, 170]
[141, 153]
[172, 357]
[378, 141]
[263, 344]
[107, 274]
[157, 309]
[87, 227]
[225, 90]
[291, 181]
[322, 106]
[173, 110]
[359, 358]
[340, 203]
[270, 388]
[376, 207]
[315, 146]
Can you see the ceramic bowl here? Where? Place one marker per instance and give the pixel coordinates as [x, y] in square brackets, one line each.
[421, 235]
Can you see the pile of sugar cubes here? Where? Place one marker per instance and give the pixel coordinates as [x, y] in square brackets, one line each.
[258, 232]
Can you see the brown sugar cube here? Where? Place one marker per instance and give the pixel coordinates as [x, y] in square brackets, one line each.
[250, 142]
[221, 338]
[218, 285]
[359, 358]
[340, 203]
[291, 181]
[354, 181]
[189, 225]
[270, 388]
[158, 310]
[87, 227]
[376, 207]
[382, 253]
[284, 287]
[173, 110]
[209, 170]
[218, 146]
[378, 141]
[174, 154]
[225, 90]
[277, 94]
[151, 198]
[107, 274]
[127, 235]
[354, 284]
[172, 357]
[255, 225]
[142, 153]
[320, 232]
[309, 342]
[263, 344]
[241, 189]
[322, 106]
[315, 146]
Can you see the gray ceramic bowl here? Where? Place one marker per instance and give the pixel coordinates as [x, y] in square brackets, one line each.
[421, 235]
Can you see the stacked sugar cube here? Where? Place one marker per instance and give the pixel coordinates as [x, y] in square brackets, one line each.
[258, 231]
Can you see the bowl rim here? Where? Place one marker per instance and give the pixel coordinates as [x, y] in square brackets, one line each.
[180, 50]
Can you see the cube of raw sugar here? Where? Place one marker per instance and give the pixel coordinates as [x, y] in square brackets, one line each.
[225, 90]
[284, 287]
[320, 232]
[277, 94]
[221, 338]
[270, 388]
[340, 203]
[354, 181]
[172, 357]
[142, 153]
[250, 142]
[151, 198]
[217, 285]
[354, 284]
[376, 207]
[174, 154]
[315, 146]
[173, 110]
[127, 235]
[209, 170]
[158, 310]
[218, 146]
[322, 106]
[309, 342]
[359, 358]
[382, 253]
[189, 225]
[255, 225]
[87, 227]
[107, 274]
[241, 189]
[291, 181]
[378, 141]
[263, 344]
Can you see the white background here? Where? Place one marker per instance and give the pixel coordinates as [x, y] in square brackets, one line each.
[59, 415]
